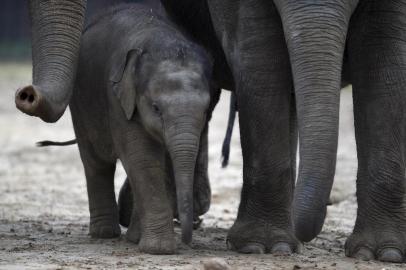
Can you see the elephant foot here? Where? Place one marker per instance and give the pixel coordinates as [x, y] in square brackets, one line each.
[104, 223]
[159, 245]
[202, 196]
[125, 204]
[257, 237]
[105, 228]
[379, 245]
[133, 233]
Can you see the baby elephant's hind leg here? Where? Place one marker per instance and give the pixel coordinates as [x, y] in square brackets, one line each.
[102, 201]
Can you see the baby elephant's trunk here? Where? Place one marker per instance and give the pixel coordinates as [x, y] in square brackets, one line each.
[182, 138]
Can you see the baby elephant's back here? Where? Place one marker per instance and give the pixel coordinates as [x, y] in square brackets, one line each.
[117, 30]
[106, 35]
[120, 25]
[106, 40]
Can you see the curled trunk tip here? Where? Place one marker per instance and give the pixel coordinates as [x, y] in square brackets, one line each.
[56, 28]
[31, 101]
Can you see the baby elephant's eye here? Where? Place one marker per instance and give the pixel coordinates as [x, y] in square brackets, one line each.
[156, 108]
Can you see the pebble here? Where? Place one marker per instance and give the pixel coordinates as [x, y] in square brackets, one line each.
[216, 264]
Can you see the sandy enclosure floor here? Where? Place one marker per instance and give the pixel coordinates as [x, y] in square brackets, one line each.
[44, 212]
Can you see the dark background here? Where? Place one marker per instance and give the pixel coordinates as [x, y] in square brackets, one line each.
[15, 26]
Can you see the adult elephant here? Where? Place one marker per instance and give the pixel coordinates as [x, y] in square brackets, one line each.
[56, 32]
[273, 46]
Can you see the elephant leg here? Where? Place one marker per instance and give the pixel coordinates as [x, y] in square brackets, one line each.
[264, 219]
[293, 138]
[133, 218]
[255, 48]
[125, 203]
[152, 217]
[378, 68]
[201, 196]
[102, 201]
[201, 187]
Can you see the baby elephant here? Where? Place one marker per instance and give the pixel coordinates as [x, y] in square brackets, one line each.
[143, 96]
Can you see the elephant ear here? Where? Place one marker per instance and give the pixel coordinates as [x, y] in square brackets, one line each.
[124, 82]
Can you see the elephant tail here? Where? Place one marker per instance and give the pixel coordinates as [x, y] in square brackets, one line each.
[125, 204]
[225, 150]
[52, 143]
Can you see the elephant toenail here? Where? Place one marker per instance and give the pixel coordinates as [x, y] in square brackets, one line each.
[281, 249]
[253, 248]
[364, 254]
[390, 255]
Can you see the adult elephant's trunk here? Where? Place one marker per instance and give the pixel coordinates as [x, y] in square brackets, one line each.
[315, 35]
[56, 31]
[182, 139]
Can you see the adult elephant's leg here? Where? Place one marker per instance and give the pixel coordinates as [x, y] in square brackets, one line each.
[56, 32]
[378, 68]
[252, 37]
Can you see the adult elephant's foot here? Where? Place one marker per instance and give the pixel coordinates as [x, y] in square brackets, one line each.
[158, 243]
[378, 234]
[258, 237]
[104, 224]
[382, 244]
[264, 223]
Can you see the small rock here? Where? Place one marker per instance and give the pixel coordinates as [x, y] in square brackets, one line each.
[216, 264]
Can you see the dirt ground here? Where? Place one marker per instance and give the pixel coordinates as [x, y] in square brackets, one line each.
[44, 213]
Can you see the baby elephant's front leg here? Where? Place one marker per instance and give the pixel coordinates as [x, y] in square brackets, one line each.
[152, 219]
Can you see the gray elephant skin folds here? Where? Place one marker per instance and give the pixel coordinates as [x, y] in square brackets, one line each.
[143, 95]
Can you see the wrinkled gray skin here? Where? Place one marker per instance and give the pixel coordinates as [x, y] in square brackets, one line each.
[316, 35]
[276, 46]
[56, 30]
[376, 64]
[142, 95]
